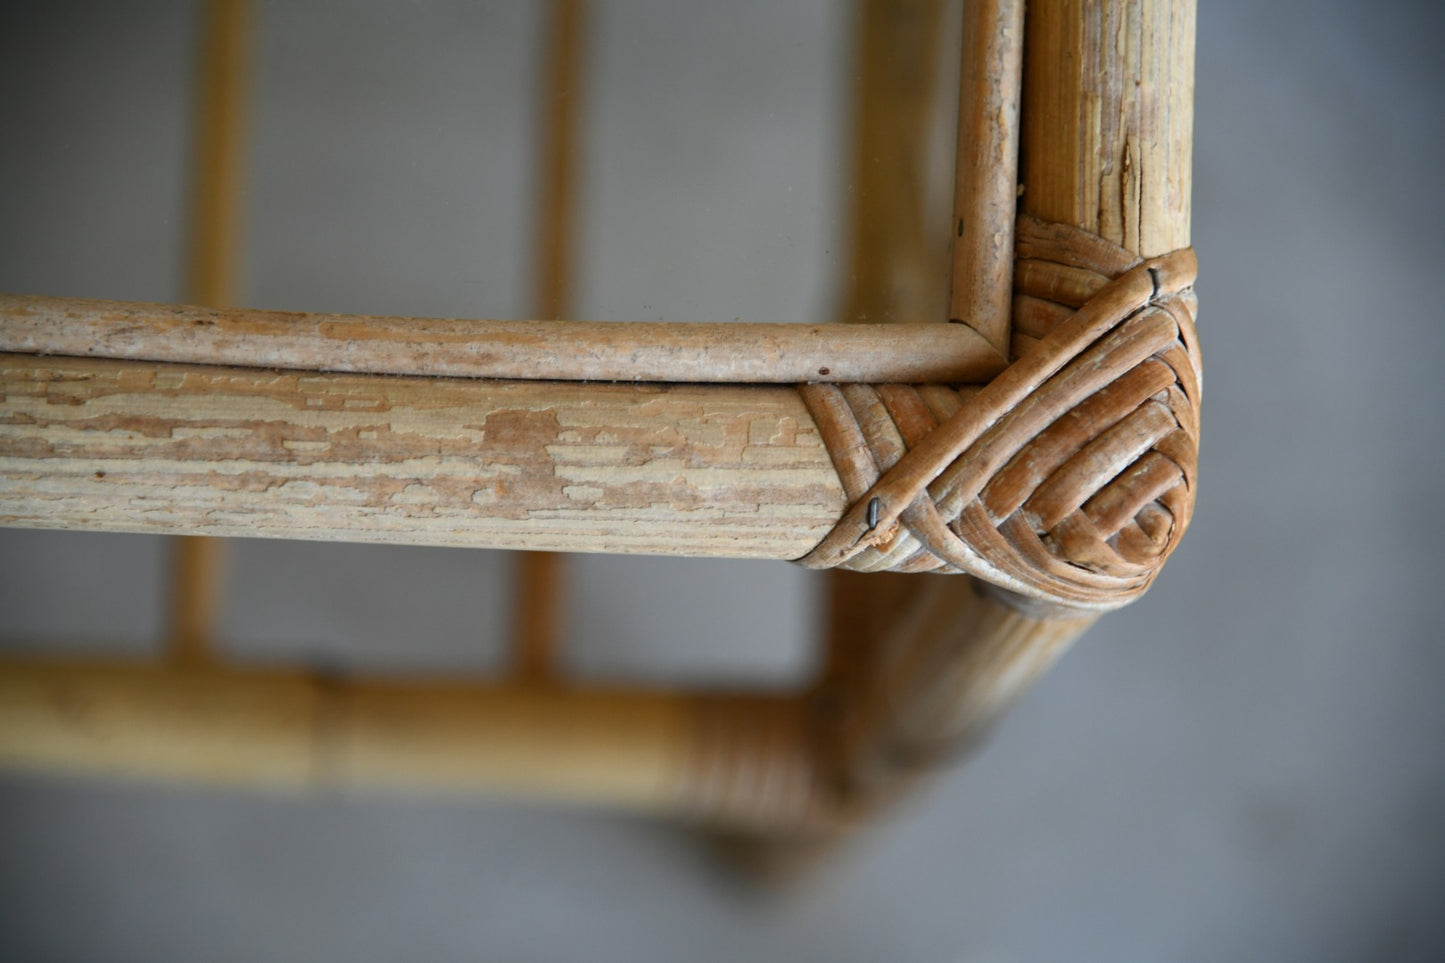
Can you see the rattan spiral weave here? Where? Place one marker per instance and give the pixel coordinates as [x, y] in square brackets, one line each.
[1071, 476]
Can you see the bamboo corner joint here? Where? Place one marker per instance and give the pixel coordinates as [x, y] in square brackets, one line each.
[1070, 477]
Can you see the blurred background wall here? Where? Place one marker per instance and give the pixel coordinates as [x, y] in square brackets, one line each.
[1247, 764]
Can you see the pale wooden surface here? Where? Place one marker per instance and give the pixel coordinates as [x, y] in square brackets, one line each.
[554, 350]
[672, 470]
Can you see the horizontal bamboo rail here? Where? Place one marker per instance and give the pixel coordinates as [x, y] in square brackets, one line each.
[543, 350]
[740, 758]
[709, 470]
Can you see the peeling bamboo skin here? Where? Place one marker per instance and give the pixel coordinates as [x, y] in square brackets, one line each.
[653, 469]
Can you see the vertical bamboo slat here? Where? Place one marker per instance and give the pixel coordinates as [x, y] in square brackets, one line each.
[986, 173]
[541, 575]
[215, 236]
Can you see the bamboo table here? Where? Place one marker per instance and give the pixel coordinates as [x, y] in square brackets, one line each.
[1031, 430]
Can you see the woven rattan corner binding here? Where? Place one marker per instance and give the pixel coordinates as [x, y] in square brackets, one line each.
[1038, 432]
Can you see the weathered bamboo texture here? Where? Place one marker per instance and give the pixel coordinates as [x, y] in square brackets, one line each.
[738, 759]
[197, 563]
[1108, 120]
[538, 625]
[657, 469]
[761, 353]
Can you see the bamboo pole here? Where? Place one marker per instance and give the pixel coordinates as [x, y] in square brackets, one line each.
[705, 757]
[219, 151]
[761, 353]
[709, 470]
[986, 178]
[215, 237]
[538, 619]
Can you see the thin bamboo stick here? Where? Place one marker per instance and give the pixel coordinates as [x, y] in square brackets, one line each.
[215, 238]
[986, 179]
[538, 620]
[558, 154]
[197, 566]
[761, 353]
[538, 615]
[217, 176]
[711, 470]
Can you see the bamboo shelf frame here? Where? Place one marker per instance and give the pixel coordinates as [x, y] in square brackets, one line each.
[1034, 429]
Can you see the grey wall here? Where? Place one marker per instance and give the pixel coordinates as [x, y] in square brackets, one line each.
[1245, 765]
